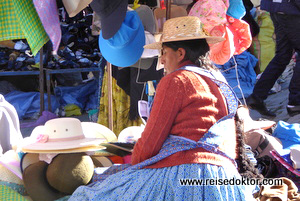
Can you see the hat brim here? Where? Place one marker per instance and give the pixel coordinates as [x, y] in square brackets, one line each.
[94, 133]
[144, 63]
[65, 147]
[95, 130]
[115, 18]
[209, 40]
[126, 56]
[74, 7]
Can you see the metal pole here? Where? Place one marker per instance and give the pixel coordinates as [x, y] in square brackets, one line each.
[41, 83]
[110, 99]
[168, 9]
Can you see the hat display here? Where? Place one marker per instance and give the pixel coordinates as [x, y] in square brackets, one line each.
[112, 15]
[146, 15]
[183, 28]
[73, 7]
[126, 46]
[62, 135]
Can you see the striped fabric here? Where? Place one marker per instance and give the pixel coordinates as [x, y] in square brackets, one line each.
[19, 20]
[9, 194]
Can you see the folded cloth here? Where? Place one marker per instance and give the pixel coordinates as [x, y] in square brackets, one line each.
[46, 115]
[20, 20]
[287, 191]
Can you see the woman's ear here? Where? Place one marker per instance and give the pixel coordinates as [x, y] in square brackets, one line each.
[181, 54]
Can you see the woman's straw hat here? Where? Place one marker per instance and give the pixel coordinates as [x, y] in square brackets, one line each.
[183, 28]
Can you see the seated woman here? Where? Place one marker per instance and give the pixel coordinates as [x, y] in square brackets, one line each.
[190, 133]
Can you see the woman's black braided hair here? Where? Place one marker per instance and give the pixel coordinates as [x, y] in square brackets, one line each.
[245, 167]
[197, 51]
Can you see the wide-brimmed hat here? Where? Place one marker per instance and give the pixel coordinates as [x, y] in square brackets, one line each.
[62, 135]
[73, 7]
[126, 46]
[146, 15]
[183, 28]
[112, 14]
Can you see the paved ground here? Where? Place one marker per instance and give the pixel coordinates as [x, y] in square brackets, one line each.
[277, 102]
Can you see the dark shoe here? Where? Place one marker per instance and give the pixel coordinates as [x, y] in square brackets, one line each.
[259, 105]
[293, 109]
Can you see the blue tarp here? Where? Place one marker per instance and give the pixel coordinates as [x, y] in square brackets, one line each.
[84, 96]
[27, 104]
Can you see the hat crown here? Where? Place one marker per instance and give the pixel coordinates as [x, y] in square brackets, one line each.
[127, 32]
[63, 128]
[182, 27]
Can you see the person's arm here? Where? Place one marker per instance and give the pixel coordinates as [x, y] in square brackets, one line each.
[166, 105]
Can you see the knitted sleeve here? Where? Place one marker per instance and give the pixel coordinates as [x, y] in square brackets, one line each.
[166, 105]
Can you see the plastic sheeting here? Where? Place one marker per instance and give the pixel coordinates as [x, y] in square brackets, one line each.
[27, 104]
[84, 95]
[246, 74]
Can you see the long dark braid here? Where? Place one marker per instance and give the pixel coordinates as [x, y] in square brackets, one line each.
[245, 167]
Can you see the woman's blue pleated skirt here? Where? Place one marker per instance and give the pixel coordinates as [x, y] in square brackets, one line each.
[164, 184]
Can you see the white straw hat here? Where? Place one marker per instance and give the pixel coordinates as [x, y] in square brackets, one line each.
[65, 135]
[183, 28]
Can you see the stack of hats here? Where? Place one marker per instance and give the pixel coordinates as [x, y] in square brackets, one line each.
[120, 44]
[56, 162]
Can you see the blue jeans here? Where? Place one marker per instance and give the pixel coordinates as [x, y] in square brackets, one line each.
[287, 31]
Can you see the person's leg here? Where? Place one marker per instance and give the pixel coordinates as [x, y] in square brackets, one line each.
[293, 24]
[283, 55]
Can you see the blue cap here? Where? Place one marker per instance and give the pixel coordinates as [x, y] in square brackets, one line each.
[127, 45]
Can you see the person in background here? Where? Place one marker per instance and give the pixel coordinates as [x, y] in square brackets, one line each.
[285, 15]
[191, 132]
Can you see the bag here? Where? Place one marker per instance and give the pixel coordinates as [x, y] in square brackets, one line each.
[262, 143]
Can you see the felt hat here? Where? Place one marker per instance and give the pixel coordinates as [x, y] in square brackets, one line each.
[256, 136]
[146, 15]
[67, 172]
[36, 185]
[61, 177]
[183, 28]
[73, 7]
[62, 135]
[249, 123]
[126, 46]
[112, 15]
